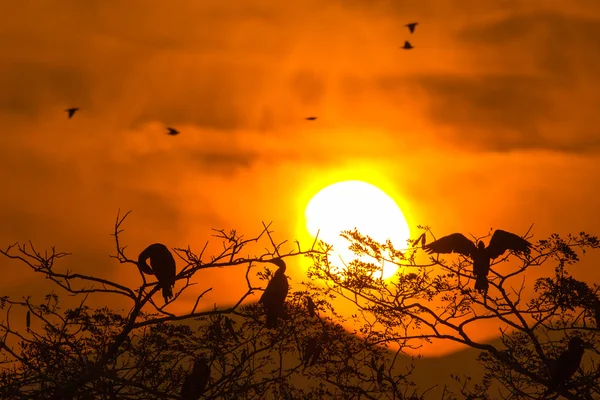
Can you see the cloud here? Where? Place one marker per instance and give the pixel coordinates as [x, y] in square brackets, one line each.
[539, 90]
[28, 86]
[498, 112]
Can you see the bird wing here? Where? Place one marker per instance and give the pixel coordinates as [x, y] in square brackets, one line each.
[142, 265]
[419, 240]
[454, 243]
[502, 241]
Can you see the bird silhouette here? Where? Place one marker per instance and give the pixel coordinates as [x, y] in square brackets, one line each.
[596, 308]
[309, 350]
[311, 118]
[411, 27]
[480, 255]
[310, 305]
[273, 298]
[407, 45]
[71, 111]
[162, 264]
[563, 368]
[172, 131]
[380, 374]
[231, 329]
[195, 383]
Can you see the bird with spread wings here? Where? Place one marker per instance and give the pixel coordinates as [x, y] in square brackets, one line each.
[481, 256]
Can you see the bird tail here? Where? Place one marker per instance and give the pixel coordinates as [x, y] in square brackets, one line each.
[481, 283]
[167, 292]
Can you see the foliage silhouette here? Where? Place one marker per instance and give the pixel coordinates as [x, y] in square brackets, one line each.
[433, 301]
[147, 351]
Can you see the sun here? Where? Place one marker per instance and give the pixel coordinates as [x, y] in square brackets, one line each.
[349, 204]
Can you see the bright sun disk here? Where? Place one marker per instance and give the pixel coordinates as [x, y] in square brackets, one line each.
[349, 204]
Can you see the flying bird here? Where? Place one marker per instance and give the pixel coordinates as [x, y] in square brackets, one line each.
[480, 255]
[563, 368]
[195, 383]
[411, 27]
[162, 264]
[172, 131]
[311, 118]
[273, 298]
[71, 111]
[407, 45]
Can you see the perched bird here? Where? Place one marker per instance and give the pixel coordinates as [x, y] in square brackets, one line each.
[380, 374]
[216, 330]
[379, 370]
[231, 329]
[309, 350]
[162, 264]
[310, 305]
[71, 111]
[172, 131]
[407, 45]
[411, 27]
[311, 118]
[563, 368]
[312, 351]
[273, 298]
[195, 383]
[596, 308]
[481, 255]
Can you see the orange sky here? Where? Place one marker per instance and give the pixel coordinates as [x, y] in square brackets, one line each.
[490, 121]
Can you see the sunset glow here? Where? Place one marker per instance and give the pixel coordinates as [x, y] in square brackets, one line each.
[349, 204]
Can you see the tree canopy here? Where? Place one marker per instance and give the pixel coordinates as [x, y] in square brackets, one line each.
[315, 351]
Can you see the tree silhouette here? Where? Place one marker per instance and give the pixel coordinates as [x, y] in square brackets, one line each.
[434, 301]
[148, 352]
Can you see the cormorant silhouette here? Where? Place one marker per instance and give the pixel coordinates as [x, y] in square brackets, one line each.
[311, 118]
[411, 26]
[273, 298]
[71, 111]
[195, 383]
[310, 305]
[231, 329]
[380, 374]
[596, 308]
[310, 348]
[563, 368]
[407, 45]
[481, 255]
[162, 264]
[378, 370]
[172, 131]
